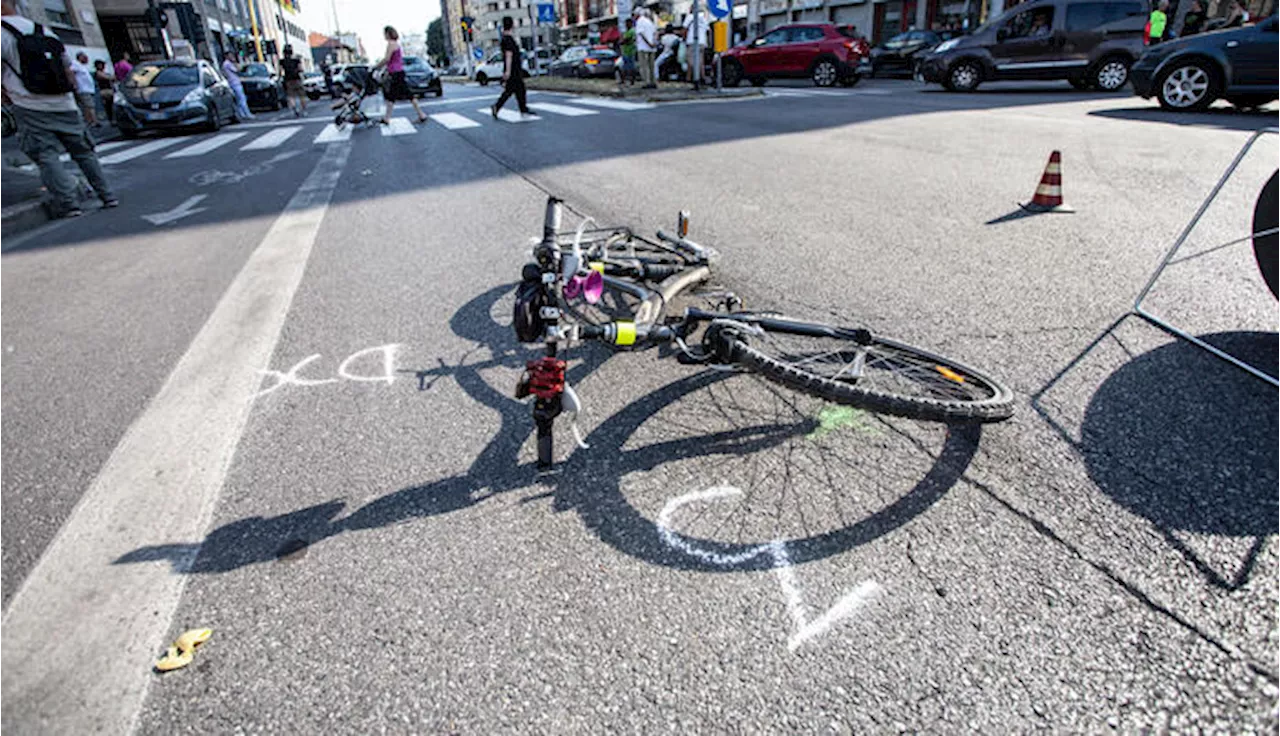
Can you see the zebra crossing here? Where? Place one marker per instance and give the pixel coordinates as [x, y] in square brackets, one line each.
[272, 136]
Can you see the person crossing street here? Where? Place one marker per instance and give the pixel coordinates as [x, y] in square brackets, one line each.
[512, 73]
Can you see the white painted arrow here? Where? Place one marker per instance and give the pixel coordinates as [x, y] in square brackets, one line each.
[177, 213]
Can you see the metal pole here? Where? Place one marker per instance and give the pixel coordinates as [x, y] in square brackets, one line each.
[695, 62]
[253, 25]
[533, 31]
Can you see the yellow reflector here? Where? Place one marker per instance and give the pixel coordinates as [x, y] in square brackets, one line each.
[626, 333]
[949, 374]
[596, 266]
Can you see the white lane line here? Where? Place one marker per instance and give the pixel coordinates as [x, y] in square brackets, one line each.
[612, 104]
[454, 121]
[206, 145]
[398, 126]
[81, 631]
[131, 153]
[331, 134]
[109, 145]
[272, 138]
[572, 112]
[508, 116]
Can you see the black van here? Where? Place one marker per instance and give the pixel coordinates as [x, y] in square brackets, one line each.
[1091, 43]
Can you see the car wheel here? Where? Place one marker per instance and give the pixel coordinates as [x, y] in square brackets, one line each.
[128, 133]
[483, 79]
[1190, 86]
[825, 73]
[964, 77]
[1079, 83]
[215, 120]
[439, 91]
[849, 80]
[731, 73]
[1110, 74]
[758, 81]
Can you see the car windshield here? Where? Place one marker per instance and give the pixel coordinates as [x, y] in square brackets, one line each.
[603, 54]
[416, 63]
[150, 75]
[897, 41]
[255, 70]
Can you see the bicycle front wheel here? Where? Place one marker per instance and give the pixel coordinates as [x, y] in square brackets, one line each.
[852, 367]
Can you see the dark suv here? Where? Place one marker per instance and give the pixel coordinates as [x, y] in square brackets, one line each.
[1090, 43]
[824, 52]
[1190, 73]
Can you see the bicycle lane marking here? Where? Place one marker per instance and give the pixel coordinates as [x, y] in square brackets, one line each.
[83, 631]
[806, 627]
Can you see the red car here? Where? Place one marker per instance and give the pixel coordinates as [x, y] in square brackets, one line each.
[824, 52]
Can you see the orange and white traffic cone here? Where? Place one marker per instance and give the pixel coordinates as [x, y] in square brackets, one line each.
[1048, 196]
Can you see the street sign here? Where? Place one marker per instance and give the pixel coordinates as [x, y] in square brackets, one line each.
[478, 53]
[624, 11]
[546, 13]
[720, 8]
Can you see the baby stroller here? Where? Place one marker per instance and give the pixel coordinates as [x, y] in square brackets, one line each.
[364, 84]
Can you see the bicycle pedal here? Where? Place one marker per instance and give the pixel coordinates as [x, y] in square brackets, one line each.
[522, 386]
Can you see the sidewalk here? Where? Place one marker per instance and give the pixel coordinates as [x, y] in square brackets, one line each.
[22, 194]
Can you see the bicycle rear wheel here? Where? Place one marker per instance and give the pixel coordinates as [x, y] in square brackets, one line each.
[853, 367]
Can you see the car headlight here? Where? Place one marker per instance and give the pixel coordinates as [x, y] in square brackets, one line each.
[946, 46]
[194, 97]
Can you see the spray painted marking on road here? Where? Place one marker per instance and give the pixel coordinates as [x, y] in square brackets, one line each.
[272, 138]
[206, 145]
[81, 631]
[291, 377]
[333, 134]
[806, 627]
[398, 126]
[131, 153]
[454, 121]
[209, 177]
[186, 209]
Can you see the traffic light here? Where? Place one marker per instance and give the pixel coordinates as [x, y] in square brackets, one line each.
[467, 24]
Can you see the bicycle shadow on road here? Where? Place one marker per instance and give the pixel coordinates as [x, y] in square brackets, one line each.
[588, 482]
[1184, 440]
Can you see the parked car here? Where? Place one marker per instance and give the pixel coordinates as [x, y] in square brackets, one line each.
[584, 62]
[313, 85]
[164, 95]
[1238, 64]
[545, 57]
[262, 88]
[1090, 43]
[901, 54]
[823, 52]
[422, 78]
[492, 68]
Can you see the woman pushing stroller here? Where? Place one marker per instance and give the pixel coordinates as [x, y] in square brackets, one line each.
[397, 87]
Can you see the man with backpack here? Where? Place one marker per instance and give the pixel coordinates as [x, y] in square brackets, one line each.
[37, 78]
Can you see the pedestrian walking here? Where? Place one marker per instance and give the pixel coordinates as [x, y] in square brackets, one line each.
[291, 72]
[37, 79]
[397, 83]
[1156, 23]
[86, 90]
[646, 45]
[512, 72]
[123, 66]
[106, 84]
[237, 88]
[328, 78]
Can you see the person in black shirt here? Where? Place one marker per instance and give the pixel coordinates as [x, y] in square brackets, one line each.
[512, 71]
[291, 70]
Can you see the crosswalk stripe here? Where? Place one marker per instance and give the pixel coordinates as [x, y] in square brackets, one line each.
[332, 134]
[129, 154]
[206, 145]
[454, 121]
[272, 138]
[509, 116]
[109, 145]
[612, 104]
[398, 126]
[562, 109]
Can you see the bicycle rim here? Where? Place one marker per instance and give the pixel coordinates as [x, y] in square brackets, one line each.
[883, 375]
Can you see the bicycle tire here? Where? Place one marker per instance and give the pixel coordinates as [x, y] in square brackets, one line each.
[932, 387]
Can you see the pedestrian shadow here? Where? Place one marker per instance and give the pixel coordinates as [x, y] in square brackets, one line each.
[1225, 118]
[1185, 441]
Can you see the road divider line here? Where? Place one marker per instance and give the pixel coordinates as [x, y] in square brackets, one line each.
[272, 138]
[572, 112]
[454, 121]
[131, 153]
[612, 104]
[398, 126]
[206, 145]
[81, 631]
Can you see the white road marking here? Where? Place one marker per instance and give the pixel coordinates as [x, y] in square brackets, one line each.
[806, 628]
[454, 121]
[562, 109]
[398, 126]
[81, 631]
[187, 208]
[612, 104]
[131, 153]
[272, 138]
[109, 145]
[509, 116]
[331, 134]
[206, 145]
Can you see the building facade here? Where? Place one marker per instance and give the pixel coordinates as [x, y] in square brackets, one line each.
[228, 29]
[76, 24]
[455, 44]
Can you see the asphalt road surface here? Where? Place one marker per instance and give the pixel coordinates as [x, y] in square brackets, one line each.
[271, 394]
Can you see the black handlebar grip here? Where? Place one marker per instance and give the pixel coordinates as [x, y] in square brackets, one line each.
[657, 272]
[551, 221]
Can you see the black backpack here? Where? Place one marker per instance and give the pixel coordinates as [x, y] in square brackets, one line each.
[41, 57]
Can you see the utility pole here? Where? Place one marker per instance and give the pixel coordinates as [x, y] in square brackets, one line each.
[253, 26]
[695, 62]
